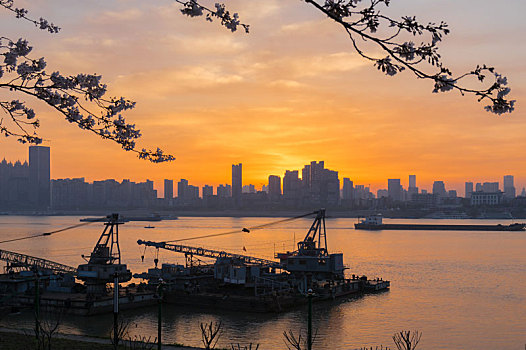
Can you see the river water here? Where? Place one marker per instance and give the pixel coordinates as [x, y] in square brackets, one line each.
[462, 290]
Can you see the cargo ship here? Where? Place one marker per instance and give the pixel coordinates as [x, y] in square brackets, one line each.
[374, 223]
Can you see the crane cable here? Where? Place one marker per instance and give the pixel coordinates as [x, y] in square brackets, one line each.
[244, 229]
[48, 233]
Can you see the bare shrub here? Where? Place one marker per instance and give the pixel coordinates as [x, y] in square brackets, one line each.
[210, 333]
[407, 340]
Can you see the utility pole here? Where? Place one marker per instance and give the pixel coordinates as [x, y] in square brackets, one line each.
[159, 314]
[309, 320]
[37, 305]
[116, 311]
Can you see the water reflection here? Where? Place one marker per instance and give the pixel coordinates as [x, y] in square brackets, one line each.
[463, 290]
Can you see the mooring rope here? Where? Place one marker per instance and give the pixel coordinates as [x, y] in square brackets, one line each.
[244, 229]
[48, 233]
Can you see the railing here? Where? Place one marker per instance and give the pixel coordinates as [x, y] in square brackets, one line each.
[269, 285]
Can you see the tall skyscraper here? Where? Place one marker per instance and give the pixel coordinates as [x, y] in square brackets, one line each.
[237, 175]
[412, 190]
[292, 188]
[394, 189]
[274, 188]
[39, 176]
[182, 187]
[509, 187]
[348, 189]
[468, 190]
[168, 189]
[412, 181]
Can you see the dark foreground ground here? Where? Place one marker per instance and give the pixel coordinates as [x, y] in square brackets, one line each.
[16, 339]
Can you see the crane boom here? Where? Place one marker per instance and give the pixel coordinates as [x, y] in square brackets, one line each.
[34, 262]
[209, 253]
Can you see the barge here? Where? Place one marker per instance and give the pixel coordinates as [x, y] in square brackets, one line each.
[245, 283]
[374, 223]
[231, 282]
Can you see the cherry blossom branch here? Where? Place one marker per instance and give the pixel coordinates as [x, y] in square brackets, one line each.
[22, 13]
[402, 55]
[98, 114]
[192, 8]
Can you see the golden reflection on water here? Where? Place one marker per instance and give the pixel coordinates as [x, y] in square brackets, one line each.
[463, 290]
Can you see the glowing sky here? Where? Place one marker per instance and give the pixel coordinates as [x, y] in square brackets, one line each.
[289, 92]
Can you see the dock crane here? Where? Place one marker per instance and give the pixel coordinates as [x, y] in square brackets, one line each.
[209, 253]
[104, 262]
[20, 262]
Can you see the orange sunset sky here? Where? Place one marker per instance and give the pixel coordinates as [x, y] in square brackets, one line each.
[289, 92]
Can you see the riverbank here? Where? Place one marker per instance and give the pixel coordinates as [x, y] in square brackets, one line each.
[487, 214]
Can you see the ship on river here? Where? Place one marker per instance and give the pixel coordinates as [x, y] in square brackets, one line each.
[375, 223]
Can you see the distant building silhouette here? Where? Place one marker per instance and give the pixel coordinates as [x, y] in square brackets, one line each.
[412, 189]
[237, 181]
[292, 188]
[412, 181]
[468, 189]
[348, 189]
[394, 189]
[490, 187]
[439, 189]
[509, 187]
[39, 177]
[208, 191]
[224, 191]
[14, 185]
[321, 186]
[274, 188]
[168, 189]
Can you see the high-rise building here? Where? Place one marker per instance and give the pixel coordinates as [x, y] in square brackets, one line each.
[348, 189]
[468, 189]
[182, 187]
[509, 187]
[208, 191]
[320, 186]
[168, 189]
[292, 188]
[237, 175]
[39, 176]
[274, 188]
[412, 181]
[412, 189]
[439, 189]
[490, 187]
[224, 191]
[394, 189]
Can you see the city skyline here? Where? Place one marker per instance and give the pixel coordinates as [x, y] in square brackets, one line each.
[172, 185]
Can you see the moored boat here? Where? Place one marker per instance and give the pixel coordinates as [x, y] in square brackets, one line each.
[374, 222]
